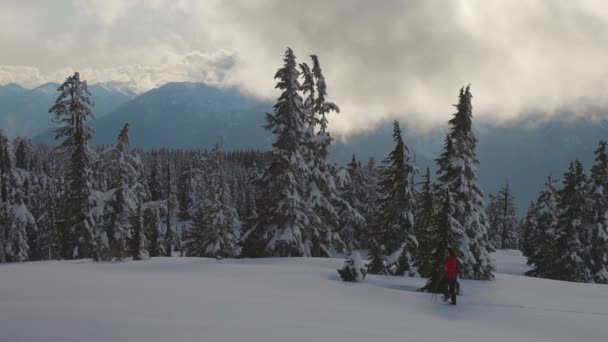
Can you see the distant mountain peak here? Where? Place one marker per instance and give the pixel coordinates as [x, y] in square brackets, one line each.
[117, 87]
[49, 88]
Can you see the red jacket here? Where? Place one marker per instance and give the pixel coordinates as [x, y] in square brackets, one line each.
[451, 267]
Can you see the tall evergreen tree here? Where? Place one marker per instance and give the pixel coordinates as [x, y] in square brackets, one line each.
[529, 228]
[214, 229]
[352, 190]
[448, 234]
[137, 237]
[371, 194]
[282, 226]
[568, 259]
[502, 223]
[543, 238]
[425, 226]
[17, 247]
[457, 174]
[598, 235]
[169, 231]
[72, 109]
[124, 196]
[4, 190]
[394, 224]
[21, 154]
[48, 222]
[322, 187]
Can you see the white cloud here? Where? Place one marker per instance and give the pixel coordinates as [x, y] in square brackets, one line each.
[194, 66]
[382, 60]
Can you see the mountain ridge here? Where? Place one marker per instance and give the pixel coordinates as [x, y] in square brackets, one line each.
[194, 115]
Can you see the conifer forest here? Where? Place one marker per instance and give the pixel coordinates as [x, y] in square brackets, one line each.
[76, 200]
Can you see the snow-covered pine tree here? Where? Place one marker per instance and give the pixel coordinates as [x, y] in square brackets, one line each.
[21, 158]
[457, 173]
[72, 109]
[424, 226]
[569, 260]
[353, 232]
[282, 226]
[154, 212]
[377, 263]
[5, 206]
[183, 192]
[493, 220]
[48, 223]
[371, 194]
[124, 196]
[394, 224]
[529, 227]
[17, 247]
[4, 219]
[171, 199]
[137, 236]
[502, 223]
[598, 191]
[448, 233]
[214, 231]
[154, 182]
[35, 202]
[354, 269]
[542, 239]
[322, 188]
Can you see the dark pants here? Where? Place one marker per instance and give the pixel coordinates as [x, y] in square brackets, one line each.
[450, 290]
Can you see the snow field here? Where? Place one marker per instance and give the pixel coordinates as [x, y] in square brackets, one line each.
[284, 299]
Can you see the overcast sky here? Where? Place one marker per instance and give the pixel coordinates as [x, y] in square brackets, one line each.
[382, 59]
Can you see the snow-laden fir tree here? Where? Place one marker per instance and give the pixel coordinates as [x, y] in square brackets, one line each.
[21, 154]
[17, 247]
[503, 228]
[5, 207]
[214, 231]
[72, 110]
[324, 178]
[457, 174]
[191, 185]
[34, 198]
[425, 226]
[448, 233]
[154, 183]
[123, 197]
[47, 222]
[569, 260]
[184, 193]
[19, 226]
[541, 240]
[283, 224]
[377, 262]
[3, 229]
[154, 213]
[493, 213]
[353, 232]
[171, 202]
[598, 191]
[137, 238]
[354, 268]
[371, 194]
[393, 226]
[529, 227]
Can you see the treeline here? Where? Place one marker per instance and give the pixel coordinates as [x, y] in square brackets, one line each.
[114, 202]
[133, 198]
[565, 231]
[109, 203]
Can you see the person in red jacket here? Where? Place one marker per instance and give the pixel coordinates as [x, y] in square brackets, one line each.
[450, 273]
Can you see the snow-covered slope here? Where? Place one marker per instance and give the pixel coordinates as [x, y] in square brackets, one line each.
[189, 299]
